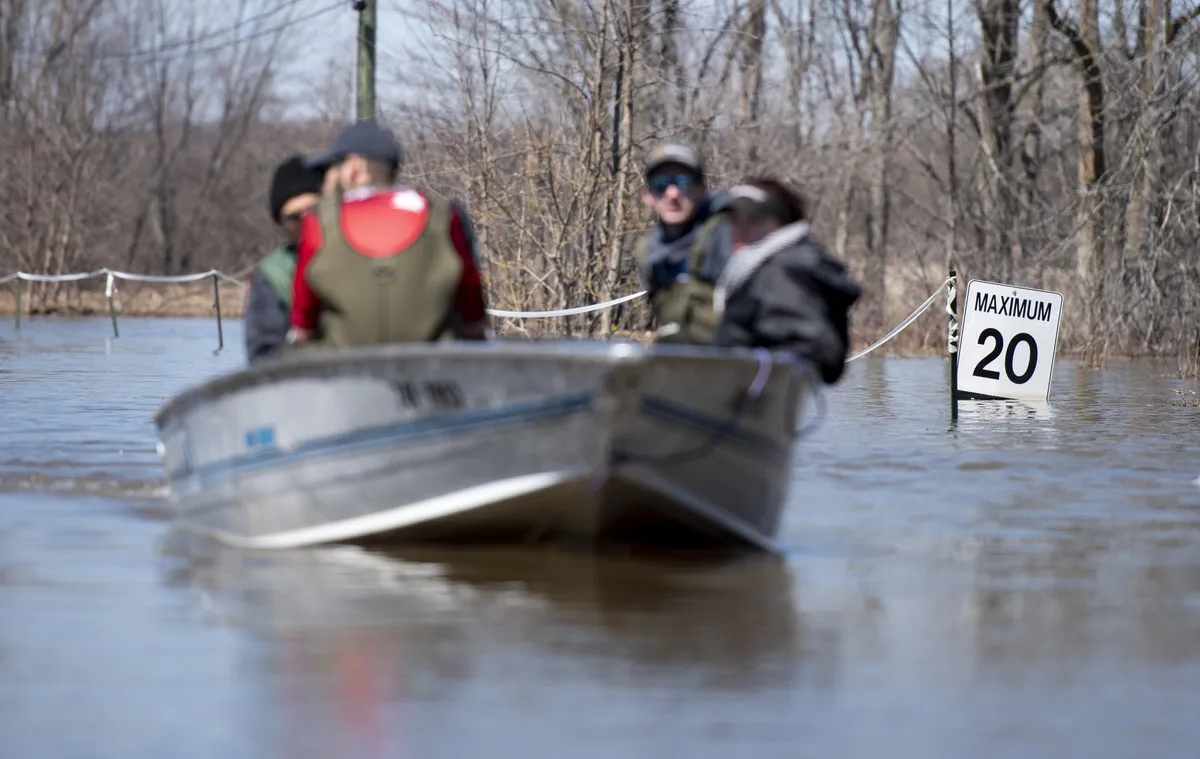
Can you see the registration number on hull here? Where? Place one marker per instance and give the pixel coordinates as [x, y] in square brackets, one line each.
[438, 394]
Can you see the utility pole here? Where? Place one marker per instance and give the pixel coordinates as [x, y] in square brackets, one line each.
[366, 58]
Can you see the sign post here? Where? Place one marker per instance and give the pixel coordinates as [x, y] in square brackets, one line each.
[952, 340]
[1009, 341]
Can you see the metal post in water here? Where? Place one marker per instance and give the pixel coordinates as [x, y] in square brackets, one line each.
[109, 288]
[20, 284]
[217, 306]
[952, 340]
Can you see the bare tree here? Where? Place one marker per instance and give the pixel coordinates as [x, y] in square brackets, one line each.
[1051, 143]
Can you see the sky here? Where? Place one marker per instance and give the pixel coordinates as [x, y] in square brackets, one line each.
[333, 36]
[326, 31]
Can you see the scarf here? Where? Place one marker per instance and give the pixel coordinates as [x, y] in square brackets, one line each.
[750, 258]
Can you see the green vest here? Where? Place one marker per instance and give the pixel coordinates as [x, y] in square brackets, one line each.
[404, 297]
[278, 268]
[684, 310]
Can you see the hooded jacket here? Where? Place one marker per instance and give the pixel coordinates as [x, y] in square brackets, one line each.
[785, 292]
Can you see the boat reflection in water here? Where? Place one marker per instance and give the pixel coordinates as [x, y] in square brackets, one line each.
[391, 645]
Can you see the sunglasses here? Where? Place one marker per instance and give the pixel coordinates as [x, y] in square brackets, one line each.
[659, 183]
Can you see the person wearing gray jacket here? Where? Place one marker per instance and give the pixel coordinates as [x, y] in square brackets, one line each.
[295, 190]
[782, 290]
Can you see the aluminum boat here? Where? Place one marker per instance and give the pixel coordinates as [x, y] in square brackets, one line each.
[494, 442]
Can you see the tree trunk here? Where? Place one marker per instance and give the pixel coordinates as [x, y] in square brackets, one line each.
[1031, 147]
[881, 62]
[754, 33]
[999, 21]
[1093, 167]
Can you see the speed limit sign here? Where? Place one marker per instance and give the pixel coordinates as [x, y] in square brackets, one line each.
[1009, 338]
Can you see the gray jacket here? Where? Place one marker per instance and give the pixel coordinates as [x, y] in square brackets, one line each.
[267, 319]
[666, 253]
[786, 292]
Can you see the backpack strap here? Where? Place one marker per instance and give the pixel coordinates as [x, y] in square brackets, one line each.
[329, 213]
[700, 244]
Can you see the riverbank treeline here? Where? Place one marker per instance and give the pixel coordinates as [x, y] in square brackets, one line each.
[1051, 143]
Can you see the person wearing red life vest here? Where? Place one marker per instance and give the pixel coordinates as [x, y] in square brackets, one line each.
[379, 262]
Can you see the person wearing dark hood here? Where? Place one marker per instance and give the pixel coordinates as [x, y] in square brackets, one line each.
[680, 259]
[781, 289]
[295, 189]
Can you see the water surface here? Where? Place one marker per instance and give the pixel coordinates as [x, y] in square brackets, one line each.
[1025, 582]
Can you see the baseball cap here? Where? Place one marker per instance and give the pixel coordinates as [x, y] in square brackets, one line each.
[766, 198]
[674, 152]
[364, 138]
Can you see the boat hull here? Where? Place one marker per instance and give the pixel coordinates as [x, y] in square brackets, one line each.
[491, 443]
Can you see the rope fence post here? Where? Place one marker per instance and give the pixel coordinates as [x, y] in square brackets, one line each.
[110, 287]
[952, 340]
[20, 286]
[217, 305]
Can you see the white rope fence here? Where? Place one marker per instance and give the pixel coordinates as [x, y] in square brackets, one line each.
[901, 326]
[565, 311]
[112, 275]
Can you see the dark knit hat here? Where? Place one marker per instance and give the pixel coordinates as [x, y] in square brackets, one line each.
[292, 178]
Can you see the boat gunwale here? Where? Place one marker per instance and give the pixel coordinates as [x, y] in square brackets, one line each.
[307, 363]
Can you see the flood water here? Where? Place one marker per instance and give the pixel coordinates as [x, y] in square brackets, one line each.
[1023, 583]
